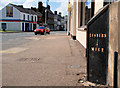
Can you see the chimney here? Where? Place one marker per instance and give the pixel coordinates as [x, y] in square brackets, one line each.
[60, 13]
[40, 6]
[48, 6]
[86, 8]
[55, 12]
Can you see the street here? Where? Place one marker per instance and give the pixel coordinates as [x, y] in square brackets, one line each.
[51, 60]
[60, 43]
[10, 40]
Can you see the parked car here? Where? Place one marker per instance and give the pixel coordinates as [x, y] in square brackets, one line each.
[41, 30]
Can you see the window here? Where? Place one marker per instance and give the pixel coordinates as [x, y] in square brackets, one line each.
[32, 18]
[92, 8]
[38, 18]
[106, 2]
[23, 16]
[81, 15]
[35, 18]
[89, 10]
[28, 17]
[22, 26]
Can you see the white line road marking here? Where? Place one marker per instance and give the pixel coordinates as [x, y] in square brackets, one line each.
[14, 50]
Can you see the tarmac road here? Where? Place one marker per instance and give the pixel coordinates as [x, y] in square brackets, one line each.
[52, 60]
[10, 40]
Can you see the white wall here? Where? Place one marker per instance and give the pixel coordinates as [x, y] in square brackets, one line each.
[82, 37]
[34, 17]
[26, 16]
[16, 13]
[15, 26]
[98, 5]
[77, 11]
[74, 19]
[11, 25]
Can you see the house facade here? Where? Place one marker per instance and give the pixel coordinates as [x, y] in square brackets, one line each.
[50, 15]
[17, 18]
[60, 23]
[65, 22]
[57, 21]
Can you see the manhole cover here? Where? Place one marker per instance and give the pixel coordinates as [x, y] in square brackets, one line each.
[75, 66]
[29, 59]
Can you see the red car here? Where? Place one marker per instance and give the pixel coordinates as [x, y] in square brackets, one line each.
[41, 30]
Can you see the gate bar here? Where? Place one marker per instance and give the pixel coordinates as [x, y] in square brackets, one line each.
[115, 69]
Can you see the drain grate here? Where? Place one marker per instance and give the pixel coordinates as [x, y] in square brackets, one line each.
[75, 66]
[29, 59]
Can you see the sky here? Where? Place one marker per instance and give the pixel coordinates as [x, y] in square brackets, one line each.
[56, 5]
[88, 4]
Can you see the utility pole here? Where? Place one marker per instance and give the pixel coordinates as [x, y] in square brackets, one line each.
[46, 16]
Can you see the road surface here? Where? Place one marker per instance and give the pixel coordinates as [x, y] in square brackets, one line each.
[52, 60]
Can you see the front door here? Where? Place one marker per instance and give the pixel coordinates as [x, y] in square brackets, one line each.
[4, 26]
[22, 26]
[26, 27]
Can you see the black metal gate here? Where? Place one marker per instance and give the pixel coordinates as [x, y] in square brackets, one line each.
[97, 47]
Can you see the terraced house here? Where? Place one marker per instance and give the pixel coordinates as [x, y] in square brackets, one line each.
[16, 18]
[49, 16]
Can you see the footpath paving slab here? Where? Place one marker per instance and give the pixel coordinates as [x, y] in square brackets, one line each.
[52, 60]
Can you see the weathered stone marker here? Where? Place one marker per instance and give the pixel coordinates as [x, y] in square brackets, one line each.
[98, 39]
[103, 39]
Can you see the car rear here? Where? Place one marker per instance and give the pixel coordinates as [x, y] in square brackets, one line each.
[39, 30]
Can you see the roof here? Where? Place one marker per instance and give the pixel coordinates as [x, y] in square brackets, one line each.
[26, 10]
[47, 10]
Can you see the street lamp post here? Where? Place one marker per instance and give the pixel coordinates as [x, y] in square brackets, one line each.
[46, 16]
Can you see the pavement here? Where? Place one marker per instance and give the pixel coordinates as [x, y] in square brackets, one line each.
[52, 60]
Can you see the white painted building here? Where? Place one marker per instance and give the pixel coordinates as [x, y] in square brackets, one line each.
[77, 17]
[17, 18]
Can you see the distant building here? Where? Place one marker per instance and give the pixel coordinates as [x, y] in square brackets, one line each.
[65, 22]
[59, 21]
[50, 15]
[15, 17]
